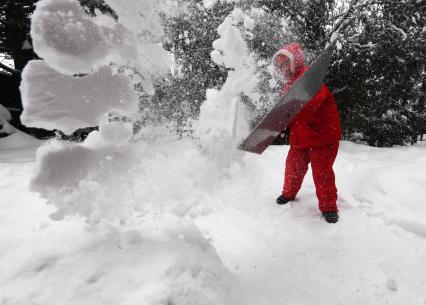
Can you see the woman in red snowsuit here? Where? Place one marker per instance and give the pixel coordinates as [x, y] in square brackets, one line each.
[314, 137]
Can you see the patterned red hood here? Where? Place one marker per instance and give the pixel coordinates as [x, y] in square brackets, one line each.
[295, 53]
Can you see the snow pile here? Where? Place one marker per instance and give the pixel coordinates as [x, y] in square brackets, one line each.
[223, 120]
[148, 195]
[156, 265]
[400, 166]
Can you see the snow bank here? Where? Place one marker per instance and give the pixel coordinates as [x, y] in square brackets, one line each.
[147, 195]
[19, 140]
[395, 179]
[164, 261]
[18, 148]
[56, 101]
[223, 120]
[5, 117]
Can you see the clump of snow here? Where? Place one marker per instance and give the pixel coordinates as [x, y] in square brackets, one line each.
[231, 43]
[142, 19]
[53, 100]
[86, 179]
[131, 12]
[72, 42]
[116, 132]
[223, 120]
[249, 23]
[217, 57]
[257, 12]
[100, 180]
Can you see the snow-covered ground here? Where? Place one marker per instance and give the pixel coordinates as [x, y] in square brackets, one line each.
[269, 254]
[161, 221]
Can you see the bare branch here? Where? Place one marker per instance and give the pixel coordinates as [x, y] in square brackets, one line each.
[9, 69]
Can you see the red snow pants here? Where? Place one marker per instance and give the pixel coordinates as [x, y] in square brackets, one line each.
[321, 159]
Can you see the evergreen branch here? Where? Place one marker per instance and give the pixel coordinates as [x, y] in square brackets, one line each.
[294, 15]
[348, 16]
[345, 15]
[355, 7]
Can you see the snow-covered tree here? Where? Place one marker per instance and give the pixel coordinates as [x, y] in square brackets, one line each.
[15, 41]
[379, 73]
[189, 38]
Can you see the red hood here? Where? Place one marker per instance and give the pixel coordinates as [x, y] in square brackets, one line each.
[295, 53]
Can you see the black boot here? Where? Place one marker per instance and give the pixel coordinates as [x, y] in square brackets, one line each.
[283, 200]
[331, 217]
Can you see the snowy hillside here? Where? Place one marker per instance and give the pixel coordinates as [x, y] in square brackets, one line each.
[206, 239]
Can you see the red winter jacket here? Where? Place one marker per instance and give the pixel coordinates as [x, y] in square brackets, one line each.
[318, 122]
